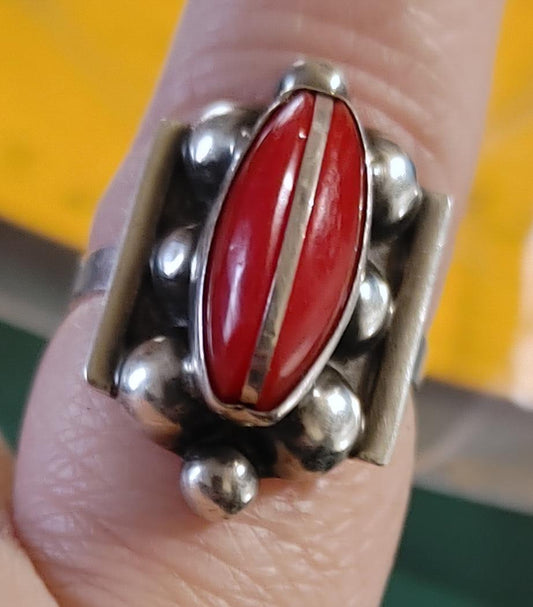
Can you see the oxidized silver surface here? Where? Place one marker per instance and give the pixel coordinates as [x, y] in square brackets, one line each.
[148, 350]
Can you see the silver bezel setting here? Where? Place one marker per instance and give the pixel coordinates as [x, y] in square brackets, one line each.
[238, 412]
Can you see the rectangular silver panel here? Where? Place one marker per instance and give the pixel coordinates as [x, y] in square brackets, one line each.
[401, 350]
[133, 256]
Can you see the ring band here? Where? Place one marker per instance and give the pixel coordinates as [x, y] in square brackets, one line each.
[94, 273]
[265, 311]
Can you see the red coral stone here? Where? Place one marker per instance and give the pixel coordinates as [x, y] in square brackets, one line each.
[247, 241]
[246, 245]
[328, 261]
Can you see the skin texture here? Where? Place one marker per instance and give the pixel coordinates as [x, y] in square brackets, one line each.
[95, 504]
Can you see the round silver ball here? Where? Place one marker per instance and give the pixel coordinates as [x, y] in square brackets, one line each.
[315, 75]
[150, 387]
[372, 311]
[171, 265]
[214, 143]
[218, 482]
[323, 428]
[396, 192]
[171, 259]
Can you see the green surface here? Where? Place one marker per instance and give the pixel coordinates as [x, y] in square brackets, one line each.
[456, 553]
[19, 354]
[453, 553]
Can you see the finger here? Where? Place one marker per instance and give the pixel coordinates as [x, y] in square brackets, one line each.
[19, 582]
[100, 509]
[95, 502]
[418, 71]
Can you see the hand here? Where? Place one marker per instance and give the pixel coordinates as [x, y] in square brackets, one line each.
[96, 506]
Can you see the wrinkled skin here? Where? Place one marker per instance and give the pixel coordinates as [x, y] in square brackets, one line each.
[95, 507]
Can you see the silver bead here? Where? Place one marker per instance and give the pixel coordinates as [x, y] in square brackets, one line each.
[218, 482]
[396, 193]
[322, 430]
[150, 388]
[372, 311]
[171, 259]
[170, 265]
[214, 143]
[315, 75]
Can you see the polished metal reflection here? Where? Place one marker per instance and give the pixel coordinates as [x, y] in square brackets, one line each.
[397, 194]
[150, 388]
[218, 482]
[372, 312]
[171, 266]
[171, 260]
[212, 144]
[322, 430]
[314, 75]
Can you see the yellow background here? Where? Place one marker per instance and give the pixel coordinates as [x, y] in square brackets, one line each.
[66, 59]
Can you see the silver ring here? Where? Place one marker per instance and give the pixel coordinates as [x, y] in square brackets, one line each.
[265, 311]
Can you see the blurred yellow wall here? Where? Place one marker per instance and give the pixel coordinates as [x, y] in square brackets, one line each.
[483, 334]
[79, 78]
